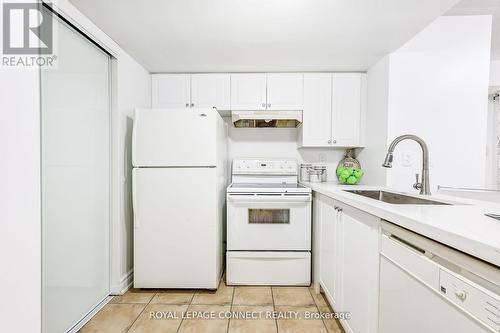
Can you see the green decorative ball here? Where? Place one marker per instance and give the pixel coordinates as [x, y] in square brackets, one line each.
[349, 176]
[358, 173]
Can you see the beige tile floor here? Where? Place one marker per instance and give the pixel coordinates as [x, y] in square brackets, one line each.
[132, 312]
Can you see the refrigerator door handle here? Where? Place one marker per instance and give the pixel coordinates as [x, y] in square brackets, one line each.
[134, 135]
[134, 199]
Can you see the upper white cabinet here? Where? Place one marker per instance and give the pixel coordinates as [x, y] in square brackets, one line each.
[191, 90]
[285, 91]
[347, 108]
[273, 91]
[248, 91]
[333, 104]
[334, 107]
[316, 127]
[211, 90]
[170, 91]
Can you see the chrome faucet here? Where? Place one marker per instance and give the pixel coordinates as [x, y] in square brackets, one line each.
[423, 186]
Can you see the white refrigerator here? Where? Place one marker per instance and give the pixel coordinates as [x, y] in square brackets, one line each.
[179, 182]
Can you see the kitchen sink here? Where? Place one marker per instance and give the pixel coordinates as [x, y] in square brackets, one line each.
[395, 198]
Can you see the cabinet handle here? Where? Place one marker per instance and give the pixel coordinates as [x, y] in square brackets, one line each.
[334, 141]
[187, 105]
[263, 105]
[192, 104]
[461, 295]
[329, 141]
[269, 105]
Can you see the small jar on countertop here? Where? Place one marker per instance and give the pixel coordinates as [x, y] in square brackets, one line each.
[324, 175]
[304, 172]
[315, 175]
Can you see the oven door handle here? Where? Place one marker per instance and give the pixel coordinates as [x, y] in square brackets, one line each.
[269, 198]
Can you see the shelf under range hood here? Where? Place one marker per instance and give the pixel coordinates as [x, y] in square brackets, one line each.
[269, 119]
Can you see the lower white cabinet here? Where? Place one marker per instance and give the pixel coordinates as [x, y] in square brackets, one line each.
[358, 268]
[346, 246]
[328, 256]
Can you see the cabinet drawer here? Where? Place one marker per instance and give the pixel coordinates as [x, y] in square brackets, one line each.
[410, 259]
[268, 268]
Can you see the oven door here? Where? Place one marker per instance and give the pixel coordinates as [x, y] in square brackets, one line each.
[279, 222]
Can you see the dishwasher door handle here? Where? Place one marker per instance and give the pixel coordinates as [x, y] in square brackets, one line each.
[410, 260]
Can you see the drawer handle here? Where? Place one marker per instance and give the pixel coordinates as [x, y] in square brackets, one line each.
[461, 295]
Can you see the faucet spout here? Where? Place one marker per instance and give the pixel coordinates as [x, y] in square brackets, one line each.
[424, 186]
[388, 160]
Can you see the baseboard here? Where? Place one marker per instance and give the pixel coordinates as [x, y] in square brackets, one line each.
[125, 284]
[89, 315]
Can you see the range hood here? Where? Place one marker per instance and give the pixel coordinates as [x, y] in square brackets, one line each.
[260, 119]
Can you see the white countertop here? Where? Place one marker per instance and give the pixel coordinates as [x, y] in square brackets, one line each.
[462, 226]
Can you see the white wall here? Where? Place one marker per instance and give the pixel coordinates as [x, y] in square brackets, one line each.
[276, 143]
[438, 89]
[373, 155]
[20, 239]
[133, 90]
[20, 246]
[495, 73]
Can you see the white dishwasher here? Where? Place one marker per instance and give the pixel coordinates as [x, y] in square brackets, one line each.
[426, 286]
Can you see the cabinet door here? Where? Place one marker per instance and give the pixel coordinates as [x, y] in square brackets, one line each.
[328, 249]
[317, 116]
[248, 91]
[346, 109]
[170, 91]
[211, 90]
[358, 270]
[285, 91]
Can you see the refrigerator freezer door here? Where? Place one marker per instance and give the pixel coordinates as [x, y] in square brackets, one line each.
[175, 137]
[177, 228]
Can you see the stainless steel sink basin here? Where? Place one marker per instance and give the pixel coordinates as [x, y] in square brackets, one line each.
[395, 198]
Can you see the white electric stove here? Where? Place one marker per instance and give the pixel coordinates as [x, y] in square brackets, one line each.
[268, 224]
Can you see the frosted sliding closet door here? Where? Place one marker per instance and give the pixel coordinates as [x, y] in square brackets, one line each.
[75, 180]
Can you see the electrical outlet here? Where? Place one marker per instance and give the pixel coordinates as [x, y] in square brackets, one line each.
[407, 160]
[321, 158]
